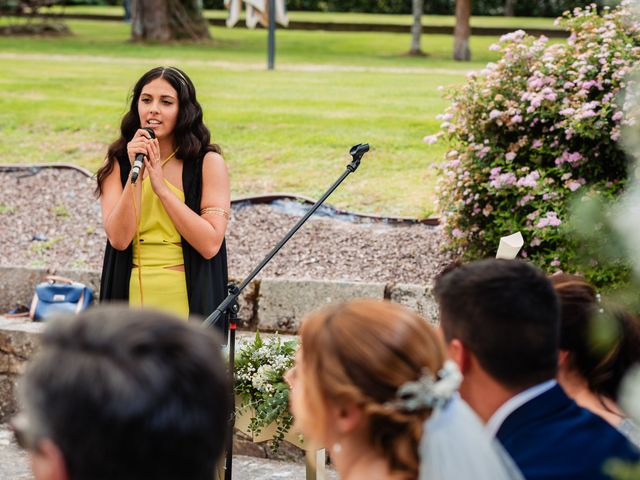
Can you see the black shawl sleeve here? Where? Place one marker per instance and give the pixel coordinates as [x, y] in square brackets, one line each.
[116, 266]
[206, 279]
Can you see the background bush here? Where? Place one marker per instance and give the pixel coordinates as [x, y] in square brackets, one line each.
[532, 132]
[541, 8]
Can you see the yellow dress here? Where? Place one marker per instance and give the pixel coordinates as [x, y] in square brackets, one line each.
[163, 287]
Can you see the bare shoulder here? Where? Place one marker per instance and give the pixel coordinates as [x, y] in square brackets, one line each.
[214, 173]
[214, 163]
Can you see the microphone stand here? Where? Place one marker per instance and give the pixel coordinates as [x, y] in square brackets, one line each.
[226, 312]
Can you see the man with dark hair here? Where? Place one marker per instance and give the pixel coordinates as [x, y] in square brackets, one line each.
[500, 319]
[119, 394]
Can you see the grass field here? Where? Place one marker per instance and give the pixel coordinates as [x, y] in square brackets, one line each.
[61, 100]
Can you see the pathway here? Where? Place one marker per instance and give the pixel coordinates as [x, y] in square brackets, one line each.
[14, 465]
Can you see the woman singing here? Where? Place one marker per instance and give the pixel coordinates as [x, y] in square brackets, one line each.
[165, 232]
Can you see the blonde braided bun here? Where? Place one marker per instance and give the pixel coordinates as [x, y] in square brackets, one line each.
[361, 352]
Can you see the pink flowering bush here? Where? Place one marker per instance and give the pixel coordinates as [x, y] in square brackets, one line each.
[535, 129]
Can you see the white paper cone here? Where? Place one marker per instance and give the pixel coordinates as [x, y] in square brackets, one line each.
[510, 246]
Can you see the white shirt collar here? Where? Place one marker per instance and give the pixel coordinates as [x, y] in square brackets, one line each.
[515, 402]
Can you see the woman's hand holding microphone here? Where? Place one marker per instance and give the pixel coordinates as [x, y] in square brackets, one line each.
[144, 143]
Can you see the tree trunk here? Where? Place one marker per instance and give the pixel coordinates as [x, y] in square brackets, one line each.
[167, 20]
[462, 31]
[509, 8]
[416, 28]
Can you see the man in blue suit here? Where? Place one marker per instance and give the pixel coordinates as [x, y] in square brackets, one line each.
[500, 319]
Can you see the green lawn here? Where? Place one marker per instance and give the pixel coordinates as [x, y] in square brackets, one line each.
[61, 100]
[373, 49]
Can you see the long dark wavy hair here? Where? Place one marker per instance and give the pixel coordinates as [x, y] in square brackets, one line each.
[192, 137]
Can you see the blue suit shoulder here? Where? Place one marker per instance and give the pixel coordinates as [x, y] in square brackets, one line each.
[552, 438]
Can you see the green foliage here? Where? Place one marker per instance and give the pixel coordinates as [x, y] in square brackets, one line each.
[6, 208]
[534, 131]
[79, 264]
[27, 7]
[544, 8]
[596, 249]
[347, 17]
[621, 470]
[40, 248]
[260, 367]
[60, 211]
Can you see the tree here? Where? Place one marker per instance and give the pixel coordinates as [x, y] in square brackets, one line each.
[167, 20]
[31, 17]
[509, 8]
[416, 28]
[462, 31]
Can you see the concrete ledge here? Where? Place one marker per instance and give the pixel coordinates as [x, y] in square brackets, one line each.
[416, 297]
[271, 304]
[18, 341]
[283, 303]
[248, 303]
[17, 284]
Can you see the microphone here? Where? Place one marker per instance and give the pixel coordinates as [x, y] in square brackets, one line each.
[139, 161]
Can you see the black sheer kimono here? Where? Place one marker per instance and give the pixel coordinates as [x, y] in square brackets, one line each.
[206, 279]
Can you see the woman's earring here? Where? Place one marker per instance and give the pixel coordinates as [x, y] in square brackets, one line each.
[336, 448]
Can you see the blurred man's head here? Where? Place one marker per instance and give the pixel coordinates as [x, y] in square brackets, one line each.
[500, 316]
[125, 394]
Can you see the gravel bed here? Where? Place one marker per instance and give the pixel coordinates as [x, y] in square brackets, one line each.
[52, 220]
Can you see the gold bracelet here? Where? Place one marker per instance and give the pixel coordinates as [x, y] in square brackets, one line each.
[216, 211]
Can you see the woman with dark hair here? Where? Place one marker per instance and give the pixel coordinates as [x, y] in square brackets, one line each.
[372, 384]
[592, 366]
[166, 229]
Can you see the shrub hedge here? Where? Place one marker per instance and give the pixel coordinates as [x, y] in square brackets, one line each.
[535, 130]
[541, 8]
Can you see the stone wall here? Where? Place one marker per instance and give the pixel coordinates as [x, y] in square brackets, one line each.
[17, 284]
[271, 304]
[18, 341]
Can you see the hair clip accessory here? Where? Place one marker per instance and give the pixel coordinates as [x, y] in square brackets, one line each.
[429, 391]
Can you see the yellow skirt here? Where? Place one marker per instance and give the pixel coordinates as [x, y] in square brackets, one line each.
[163, 288]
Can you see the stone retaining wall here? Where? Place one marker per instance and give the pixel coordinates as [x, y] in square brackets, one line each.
[271, 304]
[267, 305]
[18, 341]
